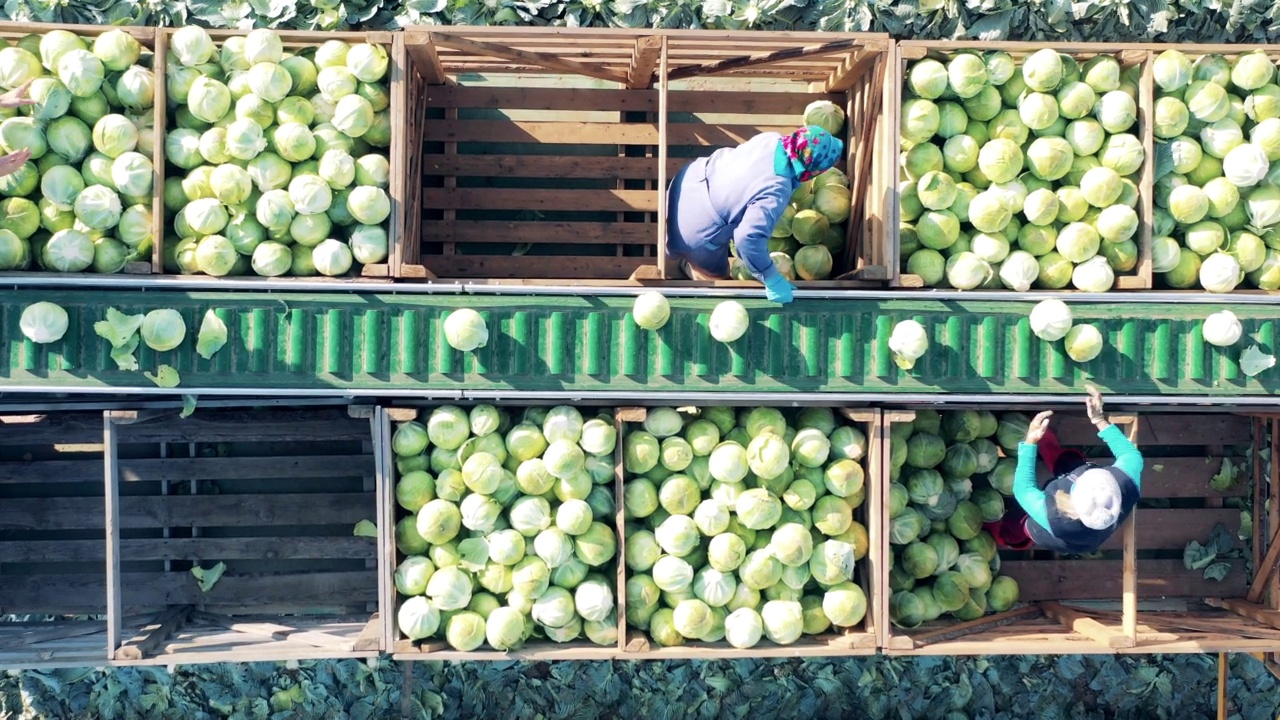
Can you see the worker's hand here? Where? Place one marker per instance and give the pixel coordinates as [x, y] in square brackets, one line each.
[17, 97]
[1093, 405]
[14, 161]
[778, 290]
[1038, 426]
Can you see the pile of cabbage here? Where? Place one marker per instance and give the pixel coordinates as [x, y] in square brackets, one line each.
[810, 234]
[508, 528]
[83, 202]
[949, 477]
[740, 525]
[278, 159]
[1217, 195]
[1016, 176]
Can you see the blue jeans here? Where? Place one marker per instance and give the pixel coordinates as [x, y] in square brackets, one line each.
[695, 232]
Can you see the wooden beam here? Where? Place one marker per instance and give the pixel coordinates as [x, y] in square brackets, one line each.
[551, 62]
[275, 631]
[1264, 571]
[745, 61]
[850, 71]
[427, 61]
[1129, 618]
[1248, 610]
[164, 626]
[958, 630]
[664, 80]
[1222, 686]
[644, 61]
[1082, 624]
[370, 637]
[111, 505]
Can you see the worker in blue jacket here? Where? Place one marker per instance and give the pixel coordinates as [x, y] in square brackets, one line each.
[739, 194]
[1085, 503]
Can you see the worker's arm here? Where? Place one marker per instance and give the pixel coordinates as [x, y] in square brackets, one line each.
[1025, 490]
[1128, 458]
[752, 235]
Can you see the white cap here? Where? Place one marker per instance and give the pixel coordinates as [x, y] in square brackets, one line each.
[1096, 497]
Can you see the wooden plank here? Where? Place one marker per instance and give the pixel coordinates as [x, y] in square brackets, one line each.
[545, 60]
[961, 629]
[1173, 529]
[300, 591]
[49, 631]
[592, 133]
[644, 60]
[1146, 128]
[1194, 429]
[541, 200]
[1102, 579]
[51, 471]
[227, 468]
[1246, 609]
[1129, 580]
[546, 166]
[531, 267]
[745, 61]
[155, 634]
[516, 97]
[1185, 477]
[277, 631]
[154, 549]
[193, 510]
[159, 107]
[26, 431]
[112, 524]
[1078, 622]
[558, 233]
[249, 426]
[1264, 571]
[426, 60]
[664, 137]
[370, 636]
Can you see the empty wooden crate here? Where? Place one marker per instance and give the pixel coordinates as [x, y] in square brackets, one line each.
[541, 154]
[230, 536]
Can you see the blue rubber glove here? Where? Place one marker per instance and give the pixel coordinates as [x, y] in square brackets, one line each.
[778, 290]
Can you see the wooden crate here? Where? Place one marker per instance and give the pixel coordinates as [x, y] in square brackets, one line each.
[1135, 596]
[52, 604]
[436, 649]
[543, 150]
[295, 40]
[862, 640]
[149, 38]
[1128, 55]
[273, 494]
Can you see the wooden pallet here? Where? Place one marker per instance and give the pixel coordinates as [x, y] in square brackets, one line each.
[272, 494]
[149, 38]
[47, 464]
[1128, 55]
[294, 41]
[862, 640]
[1134, 599]
[543, 150]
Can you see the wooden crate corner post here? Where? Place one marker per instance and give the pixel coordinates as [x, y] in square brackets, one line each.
[888, 639]
[623, 417]
[111, 495]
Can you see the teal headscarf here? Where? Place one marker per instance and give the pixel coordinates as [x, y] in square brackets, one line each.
[807, 153]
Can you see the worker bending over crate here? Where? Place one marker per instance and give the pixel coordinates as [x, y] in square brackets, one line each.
[1084, 504]
[739, 194]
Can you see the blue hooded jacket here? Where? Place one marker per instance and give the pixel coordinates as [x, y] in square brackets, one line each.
[735, 194]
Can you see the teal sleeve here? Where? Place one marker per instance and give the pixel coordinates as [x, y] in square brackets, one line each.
[1025, 490]
[1128, 458]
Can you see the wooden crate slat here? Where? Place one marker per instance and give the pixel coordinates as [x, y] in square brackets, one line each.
[299, 591]
[593, 133]
[292, 426]
[183, 510]
[567, 233]
[245, 548]
[63, 429]
[54, 594]
[540, 200]
[603, 100]
[1189, 429]
[1185, 477]
[546, 166]
[1101, 579]
[51, 471]
[228, 468]
[1159, 529]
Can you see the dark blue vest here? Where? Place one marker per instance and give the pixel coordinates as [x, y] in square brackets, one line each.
[1067, 535]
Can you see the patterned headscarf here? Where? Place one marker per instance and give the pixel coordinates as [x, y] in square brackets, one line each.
[811, 151]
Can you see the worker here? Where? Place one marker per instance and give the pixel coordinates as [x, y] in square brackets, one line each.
[739, 194]
[1085, 503]
[15, 98]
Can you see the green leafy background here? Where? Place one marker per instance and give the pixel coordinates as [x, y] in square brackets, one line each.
[1217, 21]
[1182, 687]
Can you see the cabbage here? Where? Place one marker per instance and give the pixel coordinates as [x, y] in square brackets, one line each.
[1050, 320]
[1222, 329]
[465, 330]
[729, 321]
[1083, 343]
